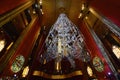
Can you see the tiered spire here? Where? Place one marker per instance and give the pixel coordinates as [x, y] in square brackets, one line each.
[64, 41]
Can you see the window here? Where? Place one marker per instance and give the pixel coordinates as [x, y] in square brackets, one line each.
[116, 51]
[5, 42]
[28, 16]
[2, 44]
[11, 30]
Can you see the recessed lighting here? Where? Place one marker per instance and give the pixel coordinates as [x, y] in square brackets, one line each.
[83, 6]
[80, 15]
[40, 1]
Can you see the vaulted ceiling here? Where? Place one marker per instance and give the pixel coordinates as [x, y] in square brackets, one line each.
[52, 8]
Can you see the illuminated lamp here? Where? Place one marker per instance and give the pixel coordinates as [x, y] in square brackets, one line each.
[25, 71]
[2, 45]
[89, 70]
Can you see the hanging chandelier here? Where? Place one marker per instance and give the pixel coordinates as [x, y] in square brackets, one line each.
[64, 41]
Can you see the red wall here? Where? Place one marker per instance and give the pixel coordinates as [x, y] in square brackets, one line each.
[24, 48]
[94, 50]
[6, 5]
[108, 8]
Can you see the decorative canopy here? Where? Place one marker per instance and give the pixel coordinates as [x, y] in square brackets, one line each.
[64, 41]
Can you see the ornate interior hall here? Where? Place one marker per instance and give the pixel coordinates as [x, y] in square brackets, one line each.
[59, 40]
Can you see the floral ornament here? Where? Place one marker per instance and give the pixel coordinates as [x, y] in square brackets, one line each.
[98, 64]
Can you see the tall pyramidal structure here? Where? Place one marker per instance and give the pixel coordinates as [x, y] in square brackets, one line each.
[64, 40]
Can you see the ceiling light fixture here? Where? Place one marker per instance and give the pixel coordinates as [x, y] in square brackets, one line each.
[40, 2]
[64, 41]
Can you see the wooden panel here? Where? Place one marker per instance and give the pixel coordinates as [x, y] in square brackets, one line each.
[52, 8]
[74, 10]
[23, 47]
[108, 8]
[100, 29]
[12, 4]
[91, 19]
[19, 24]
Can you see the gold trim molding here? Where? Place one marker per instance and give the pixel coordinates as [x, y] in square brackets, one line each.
[52, 76]
[111, 25]
[10, 15]
[5, 59]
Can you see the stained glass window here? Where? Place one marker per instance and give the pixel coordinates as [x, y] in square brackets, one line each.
[18, 63]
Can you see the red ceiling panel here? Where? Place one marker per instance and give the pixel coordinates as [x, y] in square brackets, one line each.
[108, 8]
[6, 5]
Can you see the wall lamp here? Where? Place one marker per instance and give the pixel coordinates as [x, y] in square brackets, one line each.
[84, 11]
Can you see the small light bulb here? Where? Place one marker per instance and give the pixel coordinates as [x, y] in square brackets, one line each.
[109, 73]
